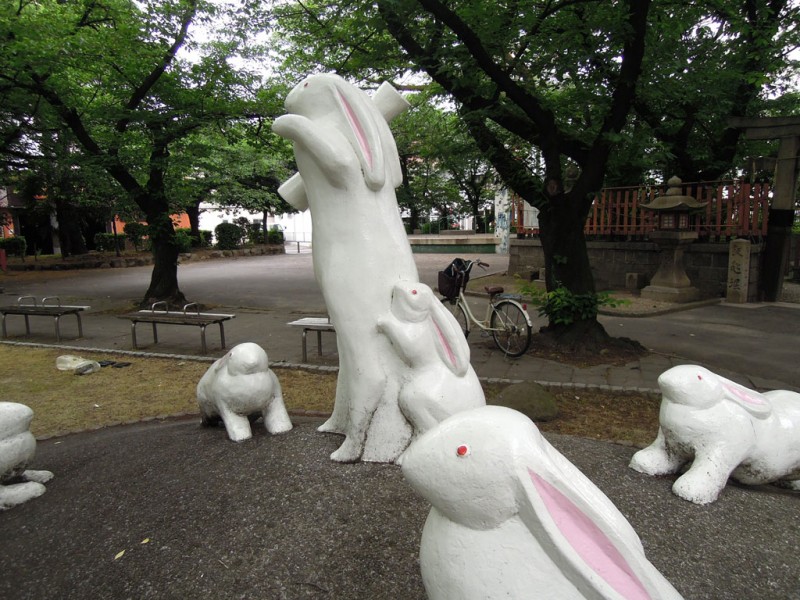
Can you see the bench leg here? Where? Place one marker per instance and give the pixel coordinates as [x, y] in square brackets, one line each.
[5, 334]
[27, 325]
[305, 354]
[58, 329]
[133, 335]
[222, 335]
[203, 338]
[80, 325]
[155, 334]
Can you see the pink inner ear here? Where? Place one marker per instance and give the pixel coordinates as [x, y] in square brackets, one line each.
[450, 354]
[359, 131]
[590, 543]
[744, 395]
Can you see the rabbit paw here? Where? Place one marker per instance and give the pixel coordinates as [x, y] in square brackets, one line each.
[348, 452]
[12, 495]
[37, 476]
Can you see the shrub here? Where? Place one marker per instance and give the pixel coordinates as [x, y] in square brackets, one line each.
[562, 307]
[275, 235]
[228, 236]
[205, 238]
[14, 245]
[107, 242]
[136, 232]
[183, 240]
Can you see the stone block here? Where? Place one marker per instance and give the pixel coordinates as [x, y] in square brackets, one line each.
[634, 281]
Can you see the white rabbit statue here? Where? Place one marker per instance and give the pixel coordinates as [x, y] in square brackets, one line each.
[512, 518]
[725, 430]
[17, 448]
[349, 169]
[440, 380]
[238, 386]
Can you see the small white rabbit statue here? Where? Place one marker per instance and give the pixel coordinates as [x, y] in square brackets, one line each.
[17, 448]
[512, 518]
[238, 386]
[725, 430]
[439, 380]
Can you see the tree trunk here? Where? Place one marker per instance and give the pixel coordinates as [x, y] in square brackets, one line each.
[70, 237]
[164, 279]
[193, 212]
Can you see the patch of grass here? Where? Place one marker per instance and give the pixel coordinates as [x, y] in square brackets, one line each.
[157, 387]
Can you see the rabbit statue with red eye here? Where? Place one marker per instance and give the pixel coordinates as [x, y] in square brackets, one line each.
[238, 386]
[348, 171]
[725, 430]
[439, 380]
[17, 448]
[513, 518]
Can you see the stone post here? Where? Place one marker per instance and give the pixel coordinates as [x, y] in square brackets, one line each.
[738, 271]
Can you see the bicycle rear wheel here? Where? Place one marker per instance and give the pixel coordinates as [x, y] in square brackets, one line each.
[460, 314]
[510, 328]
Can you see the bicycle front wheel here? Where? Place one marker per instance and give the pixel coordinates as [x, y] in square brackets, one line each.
[461, 316]
[510, 328]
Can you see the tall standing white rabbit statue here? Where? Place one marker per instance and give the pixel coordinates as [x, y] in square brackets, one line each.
[17, 448]
[513, 518]
[725, 430]
[348, 171]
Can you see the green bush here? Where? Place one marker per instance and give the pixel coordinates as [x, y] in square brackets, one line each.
[203, 241]
[275, 235]
[205, 238]
[136, 232]
[562, 307]
[228, 236]
[14, 245]
[183, 239]
[107, 242]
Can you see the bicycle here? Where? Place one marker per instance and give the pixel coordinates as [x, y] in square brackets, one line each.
[506, 319]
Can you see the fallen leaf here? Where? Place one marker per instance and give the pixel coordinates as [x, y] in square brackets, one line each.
[119, 554]
[145, 541]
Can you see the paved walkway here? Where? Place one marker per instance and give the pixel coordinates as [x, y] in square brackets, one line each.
[755, 344]
[171, 510]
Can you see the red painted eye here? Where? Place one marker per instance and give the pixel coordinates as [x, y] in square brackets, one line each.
[700, 377]
[462, 450]
[305, 84]
[413, 292]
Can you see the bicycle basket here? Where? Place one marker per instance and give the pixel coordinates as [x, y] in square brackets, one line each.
[449, 285]
[453, 279]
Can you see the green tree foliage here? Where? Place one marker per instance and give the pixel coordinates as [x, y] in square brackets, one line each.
[559, 95]
[128, 81]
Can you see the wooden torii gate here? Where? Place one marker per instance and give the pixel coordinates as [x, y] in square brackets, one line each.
[781, 210]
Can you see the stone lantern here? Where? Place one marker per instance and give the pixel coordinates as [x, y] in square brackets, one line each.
[673, 212]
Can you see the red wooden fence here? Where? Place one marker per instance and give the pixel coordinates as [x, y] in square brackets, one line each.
[734, 209]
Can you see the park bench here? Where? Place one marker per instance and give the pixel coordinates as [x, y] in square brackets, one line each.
[190, 315]
[50, 307]
[318, 324]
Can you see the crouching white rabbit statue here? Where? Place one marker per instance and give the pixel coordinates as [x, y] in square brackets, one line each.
[725, 430]
[241, 385]
[17, 447]
[513, 518]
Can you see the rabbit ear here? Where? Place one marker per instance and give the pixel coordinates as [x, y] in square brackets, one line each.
[585, 535]
[452, 346]
[364, 133]
[753, 402]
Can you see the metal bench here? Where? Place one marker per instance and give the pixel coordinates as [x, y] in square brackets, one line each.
[157, 316]
[50, 307]
[318, 324]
